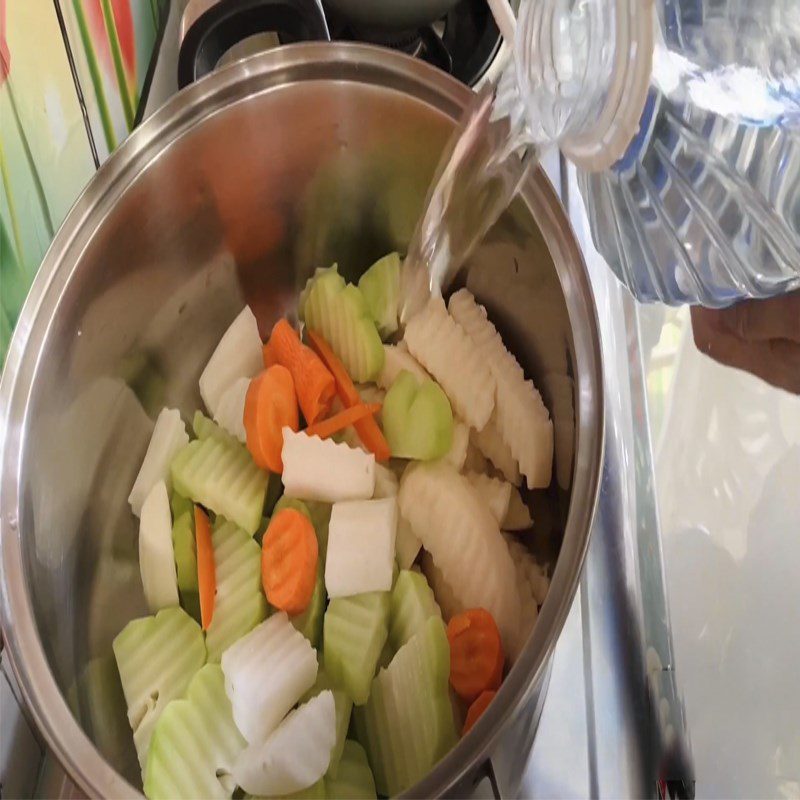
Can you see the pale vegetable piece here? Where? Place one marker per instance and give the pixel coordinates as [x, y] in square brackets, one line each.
[495, 492]
[457, 454]
[463, 538]
[407, 544]
[339, 313]
[446, 598]
[407, 724]
[295, 756]
[361, 538]
[239, 604]
[521, 417]
[230, 409]
[526, 570]
[396, 359]
[320, 469]
[156, 556]
[370, 393]
[353, 779]
[238, 355]
[386, 483]
[445, 350]
[156, 658]
[344, 710]
[195, 743]
[380, 285]
[169, 436]
[490, 443]
[219, 473]
[266, 673]
[518, 517]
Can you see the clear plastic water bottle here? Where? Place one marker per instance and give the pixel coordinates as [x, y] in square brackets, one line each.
[683, 118]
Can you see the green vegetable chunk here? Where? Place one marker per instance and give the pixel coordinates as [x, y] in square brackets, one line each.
[353, 779]
[344, 707]
[179, 505]
[309, 623]
[417, 418]
[380, 285]
[220, 474]
[156, 658]
[185, 547]
[412, 605]
[195, 743]
[339, 313]
[205, 428]
[240, 603]
[407, 724]
[355, 630]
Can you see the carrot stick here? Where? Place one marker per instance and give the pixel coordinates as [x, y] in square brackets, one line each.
[367, 428]
[476, 653]
[313, 382]
[477, 708]
[206, 570]
[289, 553]
[327, 427]
[270, 404]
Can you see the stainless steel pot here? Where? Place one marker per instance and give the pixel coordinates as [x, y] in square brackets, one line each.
[234, 192]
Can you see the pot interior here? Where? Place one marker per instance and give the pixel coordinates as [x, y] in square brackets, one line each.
[238, 207]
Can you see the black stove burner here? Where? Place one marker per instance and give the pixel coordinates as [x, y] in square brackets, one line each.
[463, 42]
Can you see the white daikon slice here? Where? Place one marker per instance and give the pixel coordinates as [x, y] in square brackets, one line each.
[230, 409]
[156, 558]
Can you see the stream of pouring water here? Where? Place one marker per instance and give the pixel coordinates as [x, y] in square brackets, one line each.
[482, 167]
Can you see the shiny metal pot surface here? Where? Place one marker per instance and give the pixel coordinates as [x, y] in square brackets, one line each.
[234, 192]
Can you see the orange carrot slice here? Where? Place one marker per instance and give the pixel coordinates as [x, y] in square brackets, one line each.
[367, 428]
[206, 570]
[476, 653]
[477, 708]
[327, 427]
[270, 404]
[313, 381]
[289, 553]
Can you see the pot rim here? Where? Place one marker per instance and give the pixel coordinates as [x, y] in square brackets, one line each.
[263, 72]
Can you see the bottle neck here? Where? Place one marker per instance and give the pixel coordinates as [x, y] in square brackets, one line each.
[582, 71]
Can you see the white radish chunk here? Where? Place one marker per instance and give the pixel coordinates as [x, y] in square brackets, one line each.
[386, 483]
[361, 542]
[448, 353]
[395, 361]
[295, 756]
[518, 517]
[169, 436]
[457, 454]
[266, 673]
[491, 445]
[520, 415]
[238, 355]
[156, 558]
[230, 409]
[407, 544]
[321, 469]
[465, 542]
[494, 492]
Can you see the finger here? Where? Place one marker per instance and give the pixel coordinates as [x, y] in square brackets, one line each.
[760, 320]
[777, 361]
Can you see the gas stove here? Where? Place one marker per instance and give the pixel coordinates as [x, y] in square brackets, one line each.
[464, 43]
